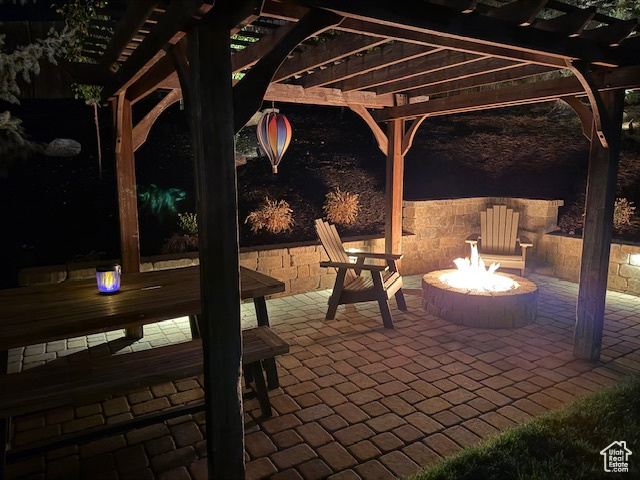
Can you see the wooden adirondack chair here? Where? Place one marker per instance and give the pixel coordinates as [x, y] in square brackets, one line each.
[498, 240]
[352, 287]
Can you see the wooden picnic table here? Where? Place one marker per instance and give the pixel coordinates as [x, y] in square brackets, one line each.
[44, 313]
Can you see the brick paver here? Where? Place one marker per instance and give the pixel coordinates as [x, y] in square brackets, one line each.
[356, 401]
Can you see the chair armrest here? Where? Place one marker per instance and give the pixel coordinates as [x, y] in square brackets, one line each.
[371, 268]
[383, 256]
[473, 238]
[524, 241]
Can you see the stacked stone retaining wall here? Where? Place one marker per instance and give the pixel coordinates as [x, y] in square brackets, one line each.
[435, 231]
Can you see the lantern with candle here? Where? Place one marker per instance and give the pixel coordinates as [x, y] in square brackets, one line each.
[108, 278]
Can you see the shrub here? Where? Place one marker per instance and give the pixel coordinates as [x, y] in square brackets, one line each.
[181, 244]
[272, 216]
[622, 213]
[188, 223]
[158, 200]
[341, 207]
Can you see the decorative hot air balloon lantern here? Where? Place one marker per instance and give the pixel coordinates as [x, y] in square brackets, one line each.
[274, 135]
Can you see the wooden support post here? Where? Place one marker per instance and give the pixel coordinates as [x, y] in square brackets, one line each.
[212, 120]
[393, 192]
[598, 222]
[127, 195]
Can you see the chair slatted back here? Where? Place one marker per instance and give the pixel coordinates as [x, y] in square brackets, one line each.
[333, 246]
[499, 230]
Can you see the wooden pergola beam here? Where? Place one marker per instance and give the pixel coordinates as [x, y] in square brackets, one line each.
[542, 91]
[167, 31]
[612, 34]
[520, 12]
[281, 92]
[428, 18]
[427, 63]
[464, 70]
[253, 53]
[293, 12]
[327, 52]
[462, 6]
[503, 97]
[570, 24]
[384, 57]
[134, 18]
[431, 39]
[516, 72]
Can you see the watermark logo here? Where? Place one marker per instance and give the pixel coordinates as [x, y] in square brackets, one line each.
[616, 457]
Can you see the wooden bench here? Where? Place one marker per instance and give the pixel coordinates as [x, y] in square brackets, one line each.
[52, 386]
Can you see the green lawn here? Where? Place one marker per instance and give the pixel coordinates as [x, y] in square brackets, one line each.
[559, 445]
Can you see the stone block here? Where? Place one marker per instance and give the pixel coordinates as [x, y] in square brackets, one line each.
[328, 281]
[568, 273]
[303, 249]
[302, 285]
[616, 283]
[629, 271]
[276, 252]
[303, 271]
[572, 261]
[250, 263]
[269, 263]
[42, 275]
[315, 270]
[146, 267]
[82, 273]
[633, 286]
[305, 258]
[171, 264]
[284, 273]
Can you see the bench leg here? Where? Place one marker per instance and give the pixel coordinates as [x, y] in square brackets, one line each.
[195, 327]
[133, 333]
[4, 441]
[271, 370]
[261, 390]
[262, 316]
[4, 361]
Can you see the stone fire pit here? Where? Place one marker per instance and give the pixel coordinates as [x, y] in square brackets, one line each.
[512, 308]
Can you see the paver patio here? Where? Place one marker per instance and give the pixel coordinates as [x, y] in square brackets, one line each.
[356, 400]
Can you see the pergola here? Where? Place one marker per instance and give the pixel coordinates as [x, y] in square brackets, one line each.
[390, 62]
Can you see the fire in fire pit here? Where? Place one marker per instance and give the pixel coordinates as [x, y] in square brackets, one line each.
[475, 296]
[473, 275]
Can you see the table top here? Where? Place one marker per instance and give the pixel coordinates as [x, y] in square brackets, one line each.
[44, 313]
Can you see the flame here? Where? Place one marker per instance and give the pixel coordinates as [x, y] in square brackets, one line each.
[472, 274]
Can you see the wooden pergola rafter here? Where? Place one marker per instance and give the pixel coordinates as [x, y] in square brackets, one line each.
[393, 62]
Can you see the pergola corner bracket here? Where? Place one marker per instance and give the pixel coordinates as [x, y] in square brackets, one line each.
[143, 127]
[584, 114]
[378, 133]
[583, 73]
[407, 138]
[249, 92]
